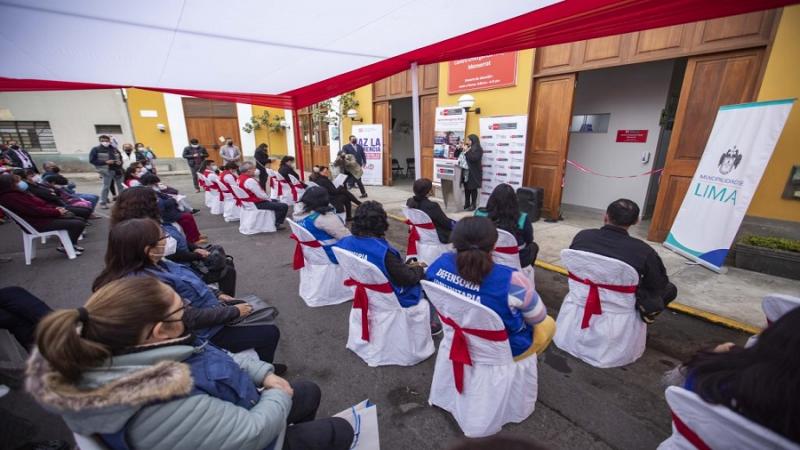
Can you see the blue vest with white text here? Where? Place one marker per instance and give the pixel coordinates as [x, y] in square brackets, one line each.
[492, 293]
[321, 235]
[374, 250]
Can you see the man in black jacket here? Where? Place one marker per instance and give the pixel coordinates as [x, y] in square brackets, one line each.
[19, 157]
[422, 190]
[108, 162]
[261, 156]
[612, 240]
[195, 154]
[355, 149]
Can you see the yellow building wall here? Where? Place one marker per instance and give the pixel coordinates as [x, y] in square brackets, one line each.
[364, 97]
[275, 140]
[508, 101]
[144, 128]
[781, 80]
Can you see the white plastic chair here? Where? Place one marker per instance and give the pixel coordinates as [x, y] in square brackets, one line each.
[29, 234]
[496, 389]
[251, 219]
[715, 426]
[775, 306]
[429, 249]
[231, 211]
[506, 252]
[616, 336]
[217, 203]
[321, 281]
[396, 335]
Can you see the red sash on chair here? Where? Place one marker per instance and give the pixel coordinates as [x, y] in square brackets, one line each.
[507, 250]
[688, 433]
[361, 301]
[300, 262]
[592, 306]
[459, 350]
[413, 235]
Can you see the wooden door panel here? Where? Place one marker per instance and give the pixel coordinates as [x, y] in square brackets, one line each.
[427, 116]
[604, 49]
[548, 141]
[382, 114]
[397, 84]
[430, 78]
[751, 29]
[709, 82]
[202, 129]
[380, 89]
[554, 56]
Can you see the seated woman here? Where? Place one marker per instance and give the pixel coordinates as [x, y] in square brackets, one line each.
[47, 193]
[762, 382]
[319, 218]
[41, 215]
[137, 247]
[171, 213]
[154, 182]
[470, 271]
[208, 169]
[124, 368]
[142, 203]
[286, 168]
[340, 197]
[423, 189]
[59, 184]
[369, 228]
[503, 209]
[133, 175]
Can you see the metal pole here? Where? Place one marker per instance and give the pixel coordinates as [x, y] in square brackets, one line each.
[415, 121]
[298, 144]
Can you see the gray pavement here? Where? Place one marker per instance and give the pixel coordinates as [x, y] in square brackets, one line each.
[579, 406]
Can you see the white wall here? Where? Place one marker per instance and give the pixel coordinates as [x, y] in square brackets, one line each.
[634, 95]
[72, 114]
[403, 133]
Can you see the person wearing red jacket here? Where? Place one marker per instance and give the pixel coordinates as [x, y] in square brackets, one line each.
[38, 213]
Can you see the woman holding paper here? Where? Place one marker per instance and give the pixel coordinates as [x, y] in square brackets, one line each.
[340, 197]
[472, 176]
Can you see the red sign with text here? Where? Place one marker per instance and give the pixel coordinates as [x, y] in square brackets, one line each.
[631, 135]
[481, 73]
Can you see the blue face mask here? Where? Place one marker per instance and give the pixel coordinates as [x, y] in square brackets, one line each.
[22, 185]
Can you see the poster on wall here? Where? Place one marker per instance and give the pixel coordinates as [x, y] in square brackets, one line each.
[503, 142]
[370, 136]
[450, 124]
[481, 73]
[737, 152]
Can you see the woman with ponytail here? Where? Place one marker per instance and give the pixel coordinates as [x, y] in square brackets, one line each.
[123, 369]
[471, 272]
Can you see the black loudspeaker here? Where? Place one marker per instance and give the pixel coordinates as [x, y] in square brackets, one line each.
[530, 201]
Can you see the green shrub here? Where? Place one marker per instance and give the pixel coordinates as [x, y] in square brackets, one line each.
[789, 245]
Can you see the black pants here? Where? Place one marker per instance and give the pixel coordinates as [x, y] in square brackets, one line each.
[343, 201]
[262, 338]
[20, 311]
[73, 225]
[193, 169]
[306, 433]
[280, 209]
[470, 198]
[227, 284]
[357, 181]
[79, 211]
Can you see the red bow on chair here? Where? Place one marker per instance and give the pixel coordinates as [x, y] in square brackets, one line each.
[688, 433]
[413, 235]
[507, 250]
[361, 301]
[459, 349]
[592, 306]
[300, 262]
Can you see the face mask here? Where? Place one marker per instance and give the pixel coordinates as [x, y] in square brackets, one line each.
[257, 172]
[141, 149]
[353, 142]
[195, 146]
[37, 179]
[138, 173]
[291, 164]
[230, 142]
[213, 167]
[161, 186]
[105, 144]
[171, 246]
[22, 185]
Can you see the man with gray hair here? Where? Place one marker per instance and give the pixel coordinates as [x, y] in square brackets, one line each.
[248, 181]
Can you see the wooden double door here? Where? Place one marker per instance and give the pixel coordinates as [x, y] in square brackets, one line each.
[211, 122]
[382, 114]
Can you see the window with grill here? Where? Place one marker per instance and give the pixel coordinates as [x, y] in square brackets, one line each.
[32, 136]
[108, 129]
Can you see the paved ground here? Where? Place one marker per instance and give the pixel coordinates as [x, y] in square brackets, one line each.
[579, 406]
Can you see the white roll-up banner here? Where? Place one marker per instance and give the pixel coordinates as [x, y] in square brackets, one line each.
[503, 142]
[370, 136]
[737, 152]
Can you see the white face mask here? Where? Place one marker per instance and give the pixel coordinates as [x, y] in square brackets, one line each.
[105, 144]
[195, 146]
[213, 167]
[257, 172]
[37, 179]
[139, 173]
[141, 149]
[170, 246]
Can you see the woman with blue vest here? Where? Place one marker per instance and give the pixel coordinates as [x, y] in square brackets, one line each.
[508, 292]
[137, 247]
[502, 208]
[320, 219]
[123, 369]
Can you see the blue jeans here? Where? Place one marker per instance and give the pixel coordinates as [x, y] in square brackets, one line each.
[93, 199]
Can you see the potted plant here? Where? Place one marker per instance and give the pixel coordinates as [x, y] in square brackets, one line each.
[770, 255]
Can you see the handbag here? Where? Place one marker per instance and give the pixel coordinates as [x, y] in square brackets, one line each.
[462, 160]
[263, 313]
[363, 417]
[215, 266]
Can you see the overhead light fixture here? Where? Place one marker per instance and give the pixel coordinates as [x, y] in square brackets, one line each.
[353, 115]
[467, 101]
[284, 124]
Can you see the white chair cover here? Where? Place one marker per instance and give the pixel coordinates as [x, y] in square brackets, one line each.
[775, 306]
[29, 234]
[429, 249]
[497, 390]
[321, 281]
[697, 422]
[230, 210]
[506, 240]
[617, 336]
[272, 183]
[209, 198]
[251, 219]
[397, 335]
[288, 196]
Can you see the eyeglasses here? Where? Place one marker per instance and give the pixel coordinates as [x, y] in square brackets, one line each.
[167, 319]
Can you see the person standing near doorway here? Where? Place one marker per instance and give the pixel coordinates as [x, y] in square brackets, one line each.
[230, 153]
[472, 177]
[355, 149]
[195, 154]
[108, 163]
[261, 156]
[130, 156]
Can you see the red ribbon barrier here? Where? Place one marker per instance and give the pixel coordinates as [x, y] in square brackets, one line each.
[459, 349]
[585, 169]
[361, 301]
[592, 306]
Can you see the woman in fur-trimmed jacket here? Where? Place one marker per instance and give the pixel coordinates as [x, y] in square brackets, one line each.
[122, 370]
